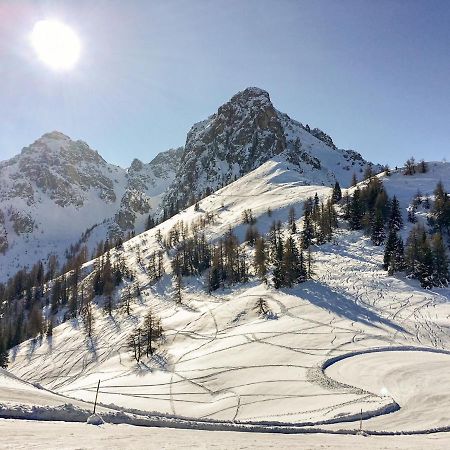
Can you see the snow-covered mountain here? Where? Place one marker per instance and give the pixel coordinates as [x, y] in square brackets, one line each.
[248, 131]
[57, 188]
[58, 192]
[353, 343]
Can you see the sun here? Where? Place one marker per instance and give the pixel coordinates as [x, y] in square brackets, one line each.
[56, 44]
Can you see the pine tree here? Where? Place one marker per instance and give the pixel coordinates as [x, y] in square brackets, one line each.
[412, 214]
[178, 284]
[261, 306]
[426, 264]
[260, 259]
[393, 260]
[277, 258]
[150, 223]
[441, 274]
[4, 356]
[410, 166]
[291, 263]
[368, 172]
[354, 181]
[419, 256]
[307, 234]
[337, 193]
[422, 167]
[151, 332]
[49, 331]
[395, 219]
[126, 299]
[291, 220]
[277, 274]
[347, 204]
[378, 235]
[309, 265]
[251, 235]
[440, 213]
[356, 211]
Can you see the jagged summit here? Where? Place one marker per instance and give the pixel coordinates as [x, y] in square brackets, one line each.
[244, 133]
[253, 95]
[57, 135]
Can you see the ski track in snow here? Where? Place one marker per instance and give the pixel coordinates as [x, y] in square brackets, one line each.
[224, 367]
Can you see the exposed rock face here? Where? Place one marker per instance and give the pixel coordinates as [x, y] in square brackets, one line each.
[246, 132]
[146, 183]
[57, 188]
[63, 169]
[324, 137]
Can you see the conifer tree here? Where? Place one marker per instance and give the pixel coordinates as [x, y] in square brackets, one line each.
[49, 331]
[440, 212]
[378, 235]
[260, 259]
[291, 220]
[309, 264]
[251, 235]
[441, 274]
[356, 211]
[151, 332]
[419, 256]
[410, 166]
[4, 355]
[412, 214]
[347, 204]
[337, 193]
[393, 253]
[290, 267]
[307, 234]
[261, 306]
[395, 219]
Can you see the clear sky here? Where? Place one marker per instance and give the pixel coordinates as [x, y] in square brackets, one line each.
[374, 74]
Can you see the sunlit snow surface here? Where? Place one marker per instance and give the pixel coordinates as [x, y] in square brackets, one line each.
[222, 362]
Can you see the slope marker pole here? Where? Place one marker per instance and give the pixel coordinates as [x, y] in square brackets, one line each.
[96, 395]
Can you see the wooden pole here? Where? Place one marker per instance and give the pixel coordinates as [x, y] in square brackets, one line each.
[360, 421]
[96, 395]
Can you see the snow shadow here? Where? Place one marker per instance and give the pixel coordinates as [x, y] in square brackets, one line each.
[322, 296]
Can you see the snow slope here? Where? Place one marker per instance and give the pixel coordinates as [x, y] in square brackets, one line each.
[307, 366]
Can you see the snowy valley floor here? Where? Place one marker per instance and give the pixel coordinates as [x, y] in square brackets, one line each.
[26, 434]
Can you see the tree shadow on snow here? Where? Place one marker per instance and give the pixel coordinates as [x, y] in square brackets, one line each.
[322, 296]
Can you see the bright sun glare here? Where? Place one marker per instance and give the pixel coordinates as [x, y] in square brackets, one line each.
[56, 44]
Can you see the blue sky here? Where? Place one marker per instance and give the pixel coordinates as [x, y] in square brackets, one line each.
[375, 75]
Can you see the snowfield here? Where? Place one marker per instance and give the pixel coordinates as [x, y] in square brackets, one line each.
[351, 344]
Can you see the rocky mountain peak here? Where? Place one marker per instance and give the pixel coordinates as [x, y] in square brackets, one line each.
[55, 135]
[248, 98]
[136, 165]
[246, 132]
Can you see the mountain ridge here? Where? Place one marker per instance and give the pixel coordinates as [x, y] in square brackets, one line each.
[57, 188]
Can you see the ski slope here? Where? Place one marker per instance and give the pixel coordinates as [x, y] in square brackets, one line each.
[311, 366]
